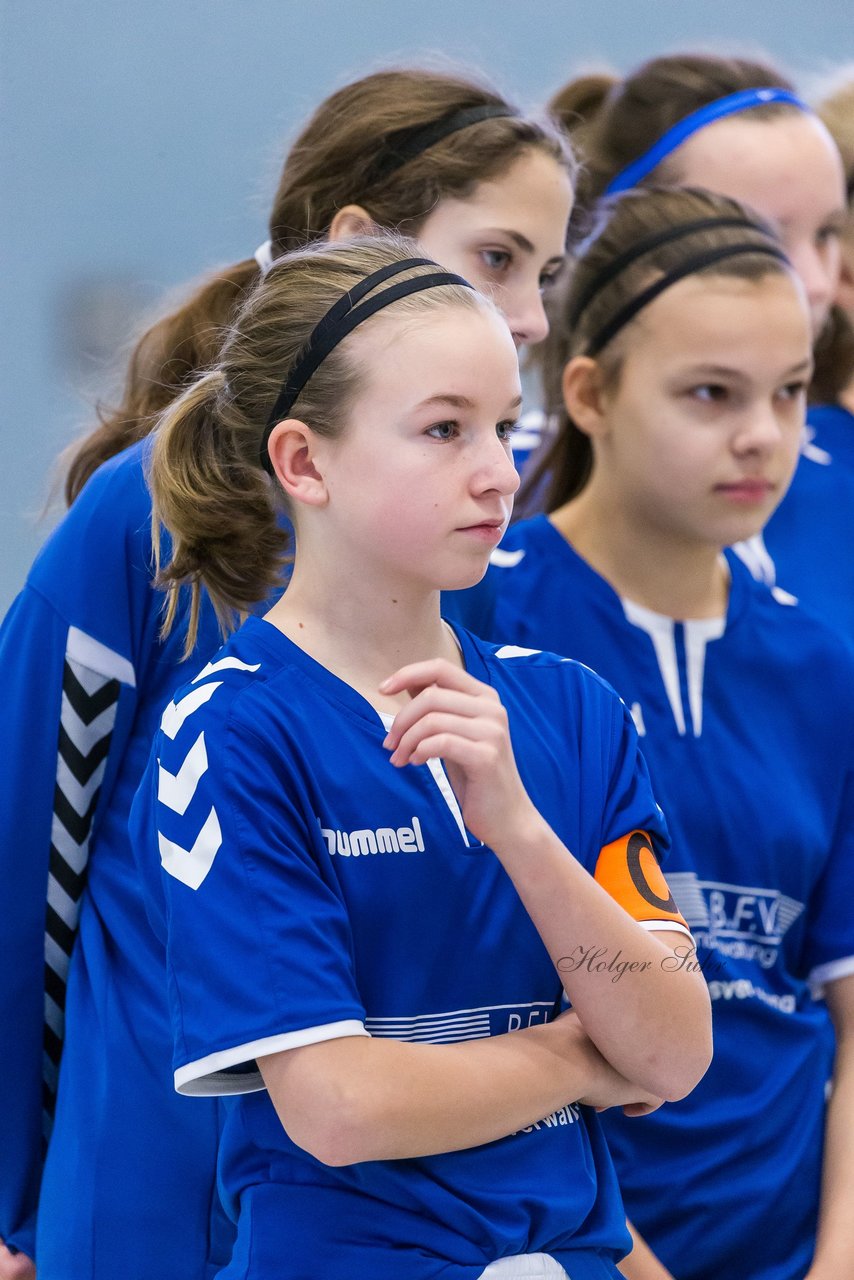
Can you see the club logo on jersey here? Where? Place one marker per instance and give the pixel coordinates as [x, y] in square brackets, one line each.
[628, 870]
[367, 840]
[740, 921]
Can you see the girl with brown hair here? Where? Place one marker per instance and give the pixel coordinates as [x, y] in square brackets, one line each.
[364, 818]
[683, 400]
[488, 190]
[736, 126]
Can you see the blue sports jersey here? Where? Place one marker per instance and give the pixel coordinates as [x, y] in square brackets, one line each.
[745, 723]
[86, 679]
[310, 890]
[808, 541]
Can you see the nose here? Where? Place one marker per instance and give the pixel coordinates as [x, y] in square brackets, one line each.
[818, 266]
[495, 471]
[526, 316]
[763, 430]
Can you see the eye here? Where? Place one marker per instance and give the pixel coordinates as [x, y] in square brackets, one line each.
[793, 390]
[505, 430]
[497, 260]
[443, 430]
[827, 234]
[709, 393]
[548, 280]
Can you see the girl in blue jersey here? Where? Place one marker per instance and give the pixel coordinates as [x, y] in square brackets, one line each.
[365, 887]
[737, 127]
[87, 675]
[687, 358]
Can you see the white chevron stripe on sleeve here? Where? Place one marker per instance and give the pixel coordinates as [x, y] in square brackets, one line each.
[90, 653]
[515, 651]
[76, 855]
[84, 736]
[225, 664]
[190, 866]
[176, 713]
[64, 906]
[79, 797]
[176, 790]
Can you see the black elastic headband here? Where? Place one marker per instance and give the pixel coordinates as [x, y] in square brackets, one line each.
[406, 144]
[341, 319]
[690, 267]
[641, 247]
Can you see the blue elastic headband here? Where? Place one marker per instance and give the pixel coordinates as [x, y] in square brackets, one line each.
[733, 103]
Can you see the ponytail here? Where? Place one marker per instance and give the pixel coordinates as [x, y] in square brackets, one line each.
[219, 508]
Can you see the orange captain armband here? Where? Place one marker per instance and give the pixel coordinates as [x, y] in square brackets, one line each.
[628, 870]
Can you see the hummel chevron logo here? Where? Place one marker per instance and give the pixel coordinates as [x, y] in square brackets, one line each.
[176, 790]
[176, 713]
[190, 866]
[225, 664]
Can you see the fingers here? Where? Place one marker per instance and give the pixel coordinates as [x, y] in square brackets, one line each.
[449, 730]
[438, 671]
[465, 709]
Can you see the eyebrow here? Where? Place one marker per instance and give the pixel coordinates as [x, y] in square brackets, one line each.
[724, 371]
[524, 243]
[460, 402]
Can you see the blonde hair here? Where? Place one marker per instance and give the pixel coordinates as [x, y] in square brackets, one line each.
[209, 487]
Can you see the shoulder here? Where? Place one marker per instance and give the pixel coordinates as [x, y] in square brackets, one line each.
[549, 674]
[106, 534]
[249, 701]
[804, 640]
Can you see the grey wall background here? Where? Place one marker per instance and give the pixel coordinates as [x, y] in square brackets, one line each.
[140, 144]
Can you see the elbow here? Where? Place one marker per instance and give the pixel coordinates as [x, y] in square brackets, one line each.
[330, 1127]
[688, 1061]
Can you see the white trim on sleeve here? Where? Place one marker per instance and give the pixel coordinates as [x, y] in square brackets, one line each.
[825, 973]
[210, 1075]
[665, 926]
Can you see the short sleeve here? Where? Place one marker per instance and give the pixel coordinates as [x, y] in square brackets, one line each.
[259, 948]
[829, 944]
[635, 836]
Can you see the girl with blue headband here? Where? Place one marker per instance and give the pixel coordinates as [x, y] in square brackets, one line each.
[682, 401]
[375, 906]
[82, 978]
[737, 127]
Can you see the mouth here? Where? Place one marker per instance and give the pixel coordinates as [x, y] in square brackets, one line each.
[486, 530]
[747, 491]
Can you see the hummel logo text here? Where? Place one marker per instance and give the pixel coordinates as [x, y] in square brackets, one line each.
[352, 844]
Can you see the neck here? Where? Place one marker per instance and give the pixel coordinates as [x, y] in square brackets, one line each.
[682, 579]
[360, 631]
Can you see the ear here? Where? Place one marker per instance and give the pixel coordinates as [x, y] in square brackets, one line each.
[292, 447]
[584, 395]
[351, 221]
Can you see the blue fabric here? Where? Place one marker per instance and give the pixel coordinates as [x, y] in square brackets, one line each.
[129, 1183]
[308, 883]
[811, 535]
[746, 727]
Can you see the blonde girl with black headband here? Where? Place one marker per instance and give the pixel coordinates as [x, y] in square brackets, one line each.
[488, 190]
[374, 844]
[683, 398]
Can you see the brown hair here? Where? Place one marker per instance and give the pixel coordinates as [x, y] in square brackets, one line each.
[834, 351]
[209, 487]
[334, 161]
[624, 221]
[613, 121]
